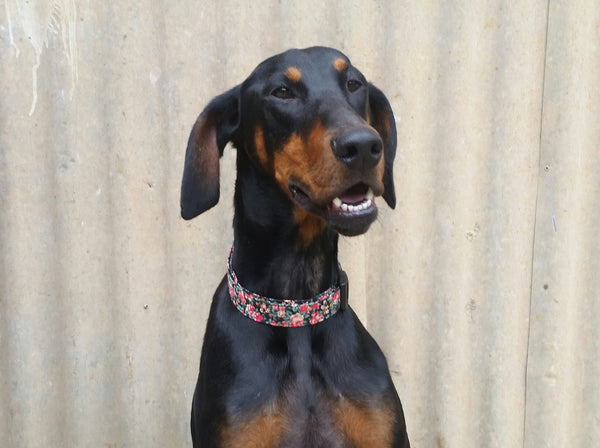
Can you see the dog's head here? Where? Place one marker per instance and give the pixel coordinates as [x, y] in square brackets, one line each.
[310, 121]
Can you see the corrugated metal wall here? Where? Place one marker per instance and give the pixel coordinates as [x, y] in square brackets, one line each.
[482, 287]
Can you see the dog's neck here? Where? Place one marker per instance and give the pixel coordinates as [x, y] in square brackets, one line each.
[270, 258]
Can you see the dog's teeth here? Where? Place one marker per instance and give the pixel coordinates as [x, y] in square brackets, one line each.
[366, 203]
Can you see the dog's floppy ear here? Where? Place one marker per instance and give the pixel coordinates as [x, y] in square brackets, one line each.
[216, 125]
[382, 119]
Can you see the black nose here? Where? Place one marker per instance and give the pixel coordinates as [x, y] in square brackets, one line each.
[360, 149]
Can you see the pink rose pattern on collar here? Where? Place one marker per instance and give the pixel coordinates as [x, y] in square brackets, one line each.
[282, 312]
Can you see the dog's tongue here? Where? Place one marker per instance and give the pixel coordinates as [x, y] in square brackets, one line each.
[354, 195]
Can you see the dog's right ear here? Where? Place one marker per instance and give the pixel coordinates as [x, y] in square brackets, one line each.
[216, 125]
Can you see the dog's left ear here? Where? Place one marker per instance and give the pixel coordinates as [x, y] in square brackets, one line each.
[217, 124]
[382, 119]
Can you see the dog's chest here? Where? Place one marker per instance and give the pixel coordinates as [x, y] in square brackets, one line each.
[301, 415]
[305, 406]
[310, 418]
[294, 420]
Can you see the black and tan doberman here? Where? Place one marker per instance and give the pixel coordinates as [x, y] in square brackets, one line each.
[285, 362]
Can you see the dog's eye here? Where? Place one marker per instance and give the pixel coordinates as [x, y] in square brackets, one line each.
[283, 93]
[353, 85]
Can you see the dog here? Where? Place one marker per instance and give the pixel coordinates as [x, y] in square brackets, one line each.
[285, 361]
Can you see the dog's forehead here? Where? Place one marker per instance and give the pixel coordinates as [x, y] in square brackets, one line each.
[295, 63]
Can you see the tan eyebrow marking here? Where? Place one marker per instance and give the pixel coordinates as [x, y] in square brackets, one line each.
[340, 65]
[293, 74]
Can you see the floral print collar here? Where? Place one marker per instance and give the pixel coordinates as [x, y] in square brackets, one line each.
[287, 312]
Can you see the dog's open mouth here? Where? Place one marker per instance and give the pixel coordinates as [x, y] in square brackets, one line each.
[350, 212]
[355, 199]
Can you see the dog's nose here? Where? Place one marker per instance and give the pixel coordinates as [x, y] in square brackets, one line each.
[360, 149]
